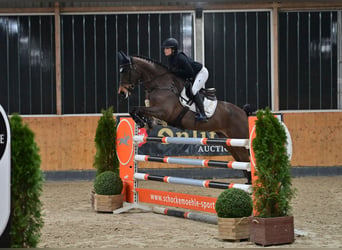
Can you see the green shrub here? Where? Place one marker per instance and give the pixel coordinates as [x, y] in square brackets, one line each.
[108, 183]
[105, 142]
[273, 187]
[234, 203]
[26, 186]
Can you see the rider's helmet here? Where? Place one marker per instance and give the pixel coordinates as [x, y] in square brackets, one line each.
[171, 43]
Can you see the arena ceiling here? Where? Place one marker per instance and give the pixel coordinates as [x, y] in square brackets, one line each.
[196, 3]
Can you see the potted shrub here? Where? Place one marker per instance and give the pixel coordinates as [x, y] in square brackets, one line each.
[105, 158]
[233, 207]
[108, 192]
[272, 222]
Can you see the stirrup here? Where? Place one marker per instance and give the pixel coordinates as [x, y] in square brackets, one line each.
[201, 117]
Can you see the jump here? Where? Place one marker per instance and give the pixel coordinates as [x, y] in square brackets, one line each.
[164, 91]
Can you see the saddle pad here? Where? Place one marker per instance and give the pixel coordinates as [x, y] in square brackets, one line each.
[209, 105]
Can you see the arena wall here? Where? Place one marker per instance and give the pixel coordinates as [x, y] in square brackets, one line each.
[67, 142]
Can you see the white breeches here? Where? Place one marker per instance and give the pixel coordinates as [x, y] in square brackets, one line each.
[200, 80]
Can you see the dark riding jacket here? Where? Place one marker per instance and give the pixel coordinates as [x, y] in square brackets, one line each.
[183, 66]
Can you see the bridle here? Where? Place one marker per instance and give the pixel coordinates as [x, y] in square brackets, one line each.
[130, 67]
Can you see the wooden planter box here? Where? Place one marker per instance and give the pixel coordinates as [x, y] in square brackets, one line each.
[233, 228]
[271, 231]
[107, 203]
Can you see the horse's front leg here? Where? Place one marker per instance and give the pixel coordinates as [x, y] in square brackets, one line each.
[146, 114]
[137, 117]
[154, 112]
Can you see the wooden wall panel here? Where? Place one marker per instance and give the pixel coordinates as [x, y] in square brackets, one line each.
[316, 138]
[67, 142]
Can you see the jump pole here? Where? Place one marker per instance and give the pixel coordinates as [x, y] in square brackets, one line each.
[194, 141]
[126, 147]
[195, 162]
[207, 218]
[192, 182]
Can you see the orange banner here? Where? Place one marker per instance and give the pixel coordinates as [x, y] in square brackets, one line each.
[187, 201]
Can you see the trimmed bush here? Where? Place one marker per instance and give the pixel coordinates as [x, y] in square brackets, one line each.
[105, 142]
[26, 187]
[108, 183]
[234, 203]
[273, 187]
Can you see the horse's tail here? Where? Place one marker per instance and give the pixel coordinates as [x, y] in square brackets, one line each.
[249, 109]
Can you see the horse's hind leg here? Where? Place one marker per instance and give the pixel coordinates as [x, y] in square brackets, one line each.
[239, 154]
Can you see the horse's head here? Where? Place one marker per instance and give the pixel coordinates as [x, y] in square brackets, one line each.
[129, 76]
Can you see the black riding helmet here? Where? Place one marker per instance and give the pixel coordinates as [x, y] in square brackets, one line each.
[171, 43]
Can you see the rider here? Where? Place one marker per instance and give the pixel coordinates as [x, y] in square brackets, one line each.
[183, 66]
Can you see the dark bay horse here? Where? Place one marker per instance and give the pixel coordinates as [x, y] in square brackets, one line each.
[163, 89]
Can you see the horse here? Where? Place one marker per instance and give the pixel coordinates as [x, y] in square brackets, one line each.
[163, 90]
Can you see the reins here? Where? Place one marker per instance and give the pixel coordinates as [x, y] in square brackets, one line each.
[172, 88]
[148, 90]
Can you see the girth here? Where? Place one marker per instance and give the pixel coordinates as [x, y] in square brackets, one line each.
[178, 121]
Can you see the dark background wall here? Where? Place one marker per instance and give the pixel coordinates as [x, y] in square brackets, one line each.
[238, 49]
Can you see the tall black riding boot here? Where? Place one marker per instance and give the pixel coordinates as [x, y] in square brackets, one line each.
[200, 116]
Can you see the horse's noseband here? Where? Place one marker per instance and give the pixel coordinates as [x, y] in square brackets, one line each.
[130, 87]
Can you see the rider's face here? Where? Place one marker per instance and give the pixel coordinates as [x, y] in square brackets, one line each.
[167, 51]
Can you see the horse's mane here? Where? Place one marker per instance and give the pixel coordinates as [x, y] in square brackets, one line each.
[179, 84]
[152, 61]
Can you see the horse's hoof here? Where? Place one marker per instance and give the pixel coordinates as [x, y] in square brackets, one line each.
[138, 121]
[141, 125]
[149, 124]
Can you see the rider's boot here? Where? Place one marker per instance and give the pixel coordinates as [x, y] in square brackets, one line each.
[200, 115]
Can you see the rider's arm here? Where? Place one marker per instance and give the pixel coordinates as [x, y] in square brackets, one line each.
[183, 68]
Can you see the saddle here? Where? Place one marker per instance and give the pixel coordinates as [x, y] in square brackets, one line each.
[208, 96]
